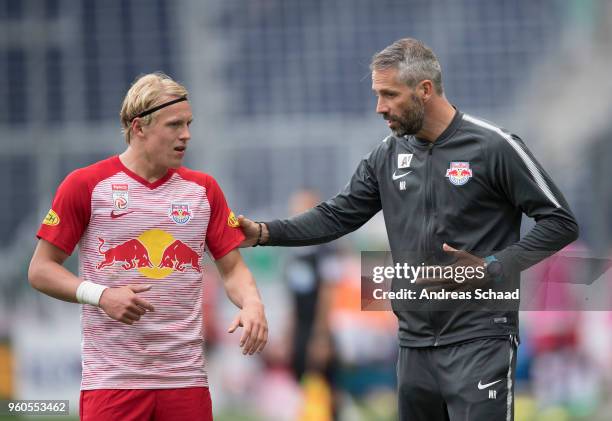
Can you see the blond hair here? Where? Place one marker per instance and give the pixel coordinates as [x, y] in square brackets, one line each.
[146, 92]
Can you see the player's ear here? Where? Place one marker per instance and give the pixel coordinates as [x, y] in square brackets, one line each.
[137, 127]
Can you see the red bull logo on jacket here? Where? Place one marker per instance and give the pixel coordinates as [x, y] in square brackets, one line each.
[459, 173]
[155, 254]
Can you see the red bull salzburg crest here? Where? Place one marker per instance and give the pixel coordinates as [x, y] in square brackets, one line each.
[179, 212]
[459, 173]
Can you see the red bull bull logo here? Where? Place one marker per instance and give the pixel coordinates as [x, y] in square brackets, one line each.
[131, 253]
[155, 254]
[459, 173]
[177, 255]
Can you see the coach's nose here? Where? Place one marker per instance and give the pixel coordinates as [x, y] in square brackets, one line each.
[381, 106]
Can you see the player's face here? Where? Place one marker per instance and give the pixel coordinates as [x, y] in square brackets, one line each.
[397, 103]
[167, 136]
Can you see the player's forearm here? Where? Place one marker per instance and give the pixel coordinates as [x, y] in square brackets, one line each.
[241, 288]
[53, 279]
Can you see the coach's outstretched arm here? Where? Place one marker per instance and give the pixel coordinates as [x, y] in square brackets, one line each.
[48, 275]
[242, 291]
[354, 206]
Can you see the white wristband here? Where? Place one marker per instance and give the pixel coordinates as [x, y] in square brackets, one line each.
[89, 293]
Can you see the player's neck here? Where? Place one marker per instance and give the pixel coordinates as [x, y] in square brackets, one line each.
[439, 116]
[141, 166]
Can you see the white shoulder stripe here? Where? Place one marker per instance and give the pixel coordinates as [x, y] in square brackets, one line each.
[531, 166]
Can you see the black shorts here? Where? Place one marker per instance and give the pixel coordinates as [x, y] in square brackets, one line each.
[469, 381]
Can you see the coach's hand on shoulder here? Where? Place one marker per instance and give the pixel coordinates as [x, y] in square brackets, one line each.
[253, 231]
[253, 319]
[124, 305]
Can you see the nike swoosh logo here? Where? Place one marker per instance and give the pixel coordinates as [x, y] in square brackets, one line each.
[119, 215]
[484, 386]
[397, 177]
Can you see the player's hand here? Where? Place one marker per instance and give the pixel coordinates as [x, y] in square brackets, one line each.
[253, 319]
[250, 229]
[462, 259]
[124, 305]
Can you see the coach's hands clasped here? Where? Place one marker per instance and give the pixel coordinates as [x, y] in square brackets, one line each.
[253, 319]
[463, 260]
[124, 305]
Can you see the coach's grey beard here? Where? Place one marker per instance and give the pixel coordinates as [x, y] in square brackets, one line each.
[411, 119]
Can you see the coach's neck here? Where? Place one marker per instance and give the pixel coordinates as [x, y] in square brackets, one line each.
[439, 114]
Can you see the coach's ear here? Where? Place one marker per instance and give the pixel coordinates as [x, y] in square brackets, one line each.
[425, 90]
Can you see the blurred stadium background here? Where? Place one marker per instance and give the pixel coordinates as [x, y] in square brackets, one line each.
[282, 101]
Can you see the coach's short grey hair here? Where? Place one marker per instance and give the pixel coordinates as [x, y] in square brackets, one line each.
[414, 60]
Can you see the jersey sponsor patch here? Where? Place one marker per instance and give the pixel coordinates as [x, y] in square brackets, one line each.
[232, 221]
[459, 173]
[403, 160]
[51, 219]
[120, 196]
[180, 213]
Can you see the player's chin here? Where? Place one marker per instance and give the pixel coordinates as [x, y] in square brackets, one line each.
[176, 160]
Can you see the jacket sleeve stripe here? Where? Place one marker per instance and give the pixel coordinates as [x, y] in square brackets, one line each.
[531, 166]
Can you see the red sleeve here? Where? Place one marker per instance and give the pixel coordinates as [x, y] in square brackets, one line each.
[69, 214]
[224, 233]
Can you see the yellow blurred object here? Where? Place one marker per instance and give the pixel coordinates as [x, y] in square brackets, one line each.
[556, 413]
[317, 398]
[6, 372]
[525, 408]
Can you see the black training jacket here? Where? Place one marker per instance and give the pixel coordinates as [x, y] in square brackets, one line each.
[468, 189]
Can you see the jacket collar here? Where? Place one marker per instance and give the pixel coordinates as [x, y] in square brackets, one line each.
[444, 136]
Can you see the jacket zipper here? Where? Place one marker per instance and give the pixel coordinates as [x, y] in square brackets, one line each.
[429, 209]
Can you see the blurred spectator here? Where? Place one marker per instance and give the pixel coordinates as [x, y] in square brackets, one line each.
[310, 274]
[564, 378]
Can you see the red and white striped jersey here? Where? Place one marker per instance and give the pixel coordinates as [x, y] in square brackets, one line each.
[130, 231]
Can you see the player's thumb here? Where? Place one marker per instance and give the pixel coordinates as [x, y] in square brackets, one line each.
[140, 288]
[234, 325]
